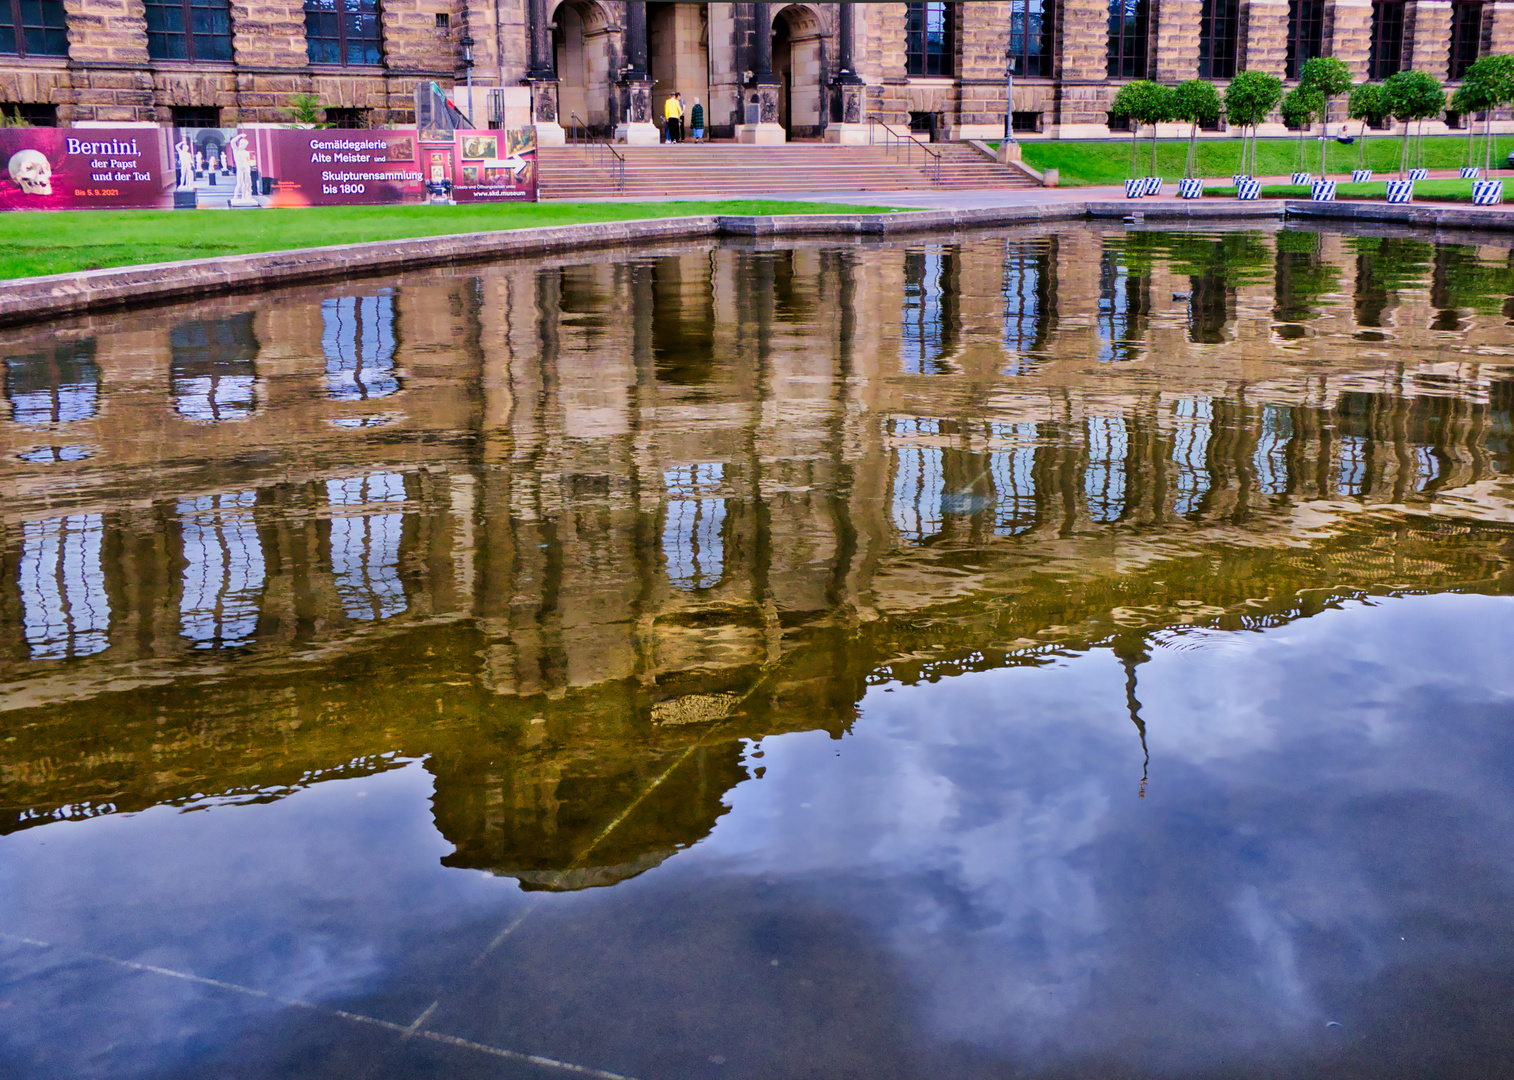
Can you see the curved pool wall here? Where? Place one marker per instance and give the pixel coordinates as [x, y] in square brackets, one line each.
[34, 299]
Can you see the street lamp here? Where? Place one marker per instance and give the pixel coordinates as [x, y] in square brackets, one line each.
[1009, 70]
[467, 45]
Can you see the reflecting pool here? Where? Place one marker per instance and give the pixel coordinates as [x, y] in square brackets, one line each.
[1050, 653]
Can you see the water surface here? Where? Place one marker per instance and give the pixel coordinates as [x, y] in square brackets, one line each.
[1056, 653]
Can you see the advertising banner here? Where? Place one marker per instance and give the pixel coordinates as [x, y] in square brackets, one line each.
[84, 168]
[121, 168]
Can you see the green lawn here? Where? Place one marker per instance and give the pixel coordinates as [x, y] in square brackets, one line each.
[58, 243]
[1108, 161]
[1437, 190]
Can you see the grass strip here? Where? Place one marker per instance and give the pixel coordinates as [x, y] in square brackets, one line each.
[1107, 161]
[64, 242]
[1436, 190]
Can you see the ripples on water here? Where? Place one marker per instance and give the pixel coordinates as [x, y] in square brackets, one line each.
[1051, 653]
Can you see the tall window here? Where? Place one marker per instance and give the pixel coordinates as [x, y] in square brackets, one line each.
[358, 340]
[33, 28]
[1219, 30]
[693, 532]
[367, 533]
[1128, 38]
[1387, 52]
[928, 321]
[65, 611]
[211, 369]
[1193, 420]
[1306, 33]
[346, 32]
[1466, 36]
[59, 385]
[1104, 479]
[189, 30]
[223, 570]
[919, 481]
[1030, 28]
[930, 45]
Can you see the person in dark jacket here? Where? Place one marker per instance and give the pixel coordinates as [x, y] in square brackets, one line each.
[696, 121]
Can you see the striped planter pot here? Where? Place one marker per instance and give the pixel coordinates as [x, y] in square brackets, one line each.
[1301, 178]
[1418, 174]
[1400, 191]
[1248, 189]
[1360, 176]
[1487, 192]
[1134, 189]
[1471, 173]
[1323, 191]
[1190, 189]
[1153, 185]
[1236, 180]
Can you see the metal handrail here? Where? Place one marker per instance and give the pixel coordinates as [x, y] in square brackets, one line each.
[909, 142]
[618, 160]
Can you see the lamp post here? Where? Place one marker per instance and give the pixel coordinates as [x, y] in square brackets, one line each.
[1009, 70]
[467, 44]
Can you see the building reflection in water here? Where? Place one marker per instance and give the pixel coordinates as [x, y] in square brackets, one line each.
[635, 510]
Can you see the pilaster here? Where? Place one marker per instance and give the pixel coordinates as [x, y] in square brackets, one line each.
[1177, 44]
[1428, 29]
[1348, 34]
[1082, 64]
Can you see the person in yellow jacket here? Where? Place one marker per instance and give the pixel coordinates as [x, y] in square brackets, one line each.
[672, 114]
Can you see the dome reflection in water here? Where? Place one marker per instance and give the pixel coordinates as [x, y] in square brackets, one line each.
[1063, 652]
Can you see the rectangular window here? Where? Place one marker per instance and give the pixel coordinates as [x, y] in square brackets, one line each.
[35, 115]
[196, 30]
[1025, 121]
[1385, 57]
[1219, 30]
[33, 28]
[347, 119]
[1306, 33]
[1466, 36]
[344, 32]
[1030, 43]
[930, 44]
[1128, 38]
[196, 116]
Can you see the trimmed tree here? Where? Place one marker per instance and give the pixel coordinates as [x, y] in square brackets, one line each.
[1366, 104]
[1468, 101]
[1142, 102]
[1249, 98]
[1493, 80]
[1198, 102]
[1325, 77]
[1412, 97]
[1299, 108]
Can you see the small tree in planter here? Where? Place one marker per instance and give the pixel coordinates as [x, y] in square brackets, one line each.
[1143, 102]
[1366, 104]
[1198, 102]
[1412, 97]
[1299, 108]
[1468, 101]
[1250, 96]
[1492, 80]
[1325, 77]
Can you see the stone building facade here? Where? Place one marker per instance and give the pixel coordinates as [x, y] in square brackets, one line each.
[768, 72]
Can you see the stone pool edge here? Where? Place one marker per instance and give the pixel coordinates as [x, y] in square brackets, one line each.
[24, 300]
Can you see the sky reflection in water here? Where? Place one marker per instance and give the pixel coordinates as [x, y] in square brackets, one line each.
[896, 713]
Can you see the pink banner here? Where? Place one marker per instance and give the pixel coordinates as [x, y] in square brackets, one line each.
[122, 168]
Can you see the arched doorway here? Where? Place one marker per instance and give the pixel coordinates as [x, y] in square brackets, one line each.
[799, 65]
[678, 54]
[581, 45]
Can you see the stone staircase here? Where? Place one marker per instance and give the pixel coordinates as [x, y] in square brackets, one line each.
[722, 170]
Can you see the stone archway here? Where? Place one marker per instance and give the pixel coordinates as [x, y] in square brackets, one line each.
[799, 34]
[582, 49]
[678, 53]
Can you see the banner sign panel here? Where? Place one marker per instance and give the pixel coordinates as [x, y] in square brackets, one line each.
[160, 168]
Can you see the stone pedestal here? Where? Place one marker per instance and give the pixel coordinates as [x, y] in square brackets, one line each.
[636, 127]
[549, 130]
[760, 126]
[846, 127]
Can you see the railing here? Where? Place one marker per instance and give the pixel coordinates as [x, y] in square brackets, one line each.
[617, 165]
[930, 160]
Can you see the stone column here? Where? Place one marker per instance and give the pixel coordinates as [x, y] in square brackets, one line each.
[1264, 45]
[542, 77]
[636, 127]
[1082, 67]
[1348, 34]
[1177, 44]
[758, 123]
[1428, 28]
[846, 124]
